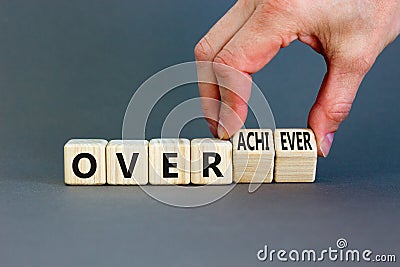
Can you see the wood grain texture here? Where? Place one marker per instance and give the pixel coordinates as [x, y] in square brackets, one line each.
[87, 149]
[296, 155]
[253, 156]
[211, 161]
[124, 154]
[169, 157]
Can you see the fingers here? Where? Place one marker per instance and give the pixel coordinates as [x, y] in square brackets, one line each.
[252, 47]
[220, 34]
[334, 102]
[235, 89]
[208, 48]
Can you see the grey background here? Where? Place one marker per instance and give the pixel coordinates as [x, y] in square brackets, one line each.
[69, 68]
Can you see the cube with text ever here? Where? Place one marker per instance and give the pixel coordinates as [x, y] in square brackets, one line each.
[127, 162]
[211, 161]
[296, 155]
[84, 162]
[253, 156]
[169, 161]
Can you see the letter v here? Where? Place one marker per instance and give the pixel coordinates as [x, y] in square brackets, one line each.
[127, 173]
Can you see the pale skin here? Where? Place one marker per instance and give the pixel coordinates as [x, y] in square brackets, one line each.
[350, 34]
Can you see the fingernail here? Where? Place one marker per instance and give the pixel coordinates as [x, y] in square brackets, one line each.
[222, 133]
[213, 130]
[326, 144]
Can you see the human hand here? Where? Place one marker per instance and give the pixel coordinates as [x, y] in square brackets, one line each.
[349, 34]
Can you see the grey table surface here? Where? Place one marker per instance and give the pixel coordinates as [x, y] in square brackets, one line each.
[69, 68]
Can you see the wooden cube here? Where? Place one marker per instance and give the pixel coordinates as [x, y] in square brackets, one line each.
[85, 162]
[127, 162]
[253, 156]
[296, 155]
[211, 161]
[169, 161]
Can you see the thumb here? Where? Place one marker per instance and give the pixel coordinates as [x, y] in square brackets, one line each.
[334, 102]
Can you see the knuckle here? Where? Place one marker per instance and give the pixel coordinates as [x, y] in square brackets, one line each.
[360, 65]
[338, 111]
[278, 7]
[357, 63]
[245, 2]
[223, 61]
[224, 57]
[364, 63]
[203, 50]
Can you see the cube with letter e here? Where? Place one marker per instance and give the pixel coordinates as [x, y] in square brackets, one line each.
[169, 161]
[296, 155]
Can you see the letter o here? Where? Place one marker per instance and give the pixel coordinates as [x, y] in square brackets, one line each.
[75, 165]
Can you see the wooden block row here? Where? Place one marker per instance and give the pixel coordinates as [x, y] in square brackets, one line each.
[253, 156]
